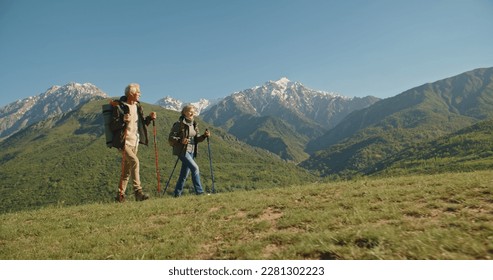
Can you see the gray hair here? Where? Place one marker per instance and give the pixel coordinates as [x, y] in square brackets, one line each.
[187, 108]
[132, 89]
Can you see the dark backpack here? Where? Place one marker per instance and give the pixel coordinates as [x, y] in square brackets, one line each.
[107, 116]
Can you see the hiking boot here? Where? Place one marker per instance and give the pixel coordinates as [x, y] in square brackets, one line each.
[140, 196]
[120, 198]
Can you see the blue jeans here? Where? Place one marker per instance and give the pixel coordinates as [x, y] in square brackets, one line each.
[188, 164]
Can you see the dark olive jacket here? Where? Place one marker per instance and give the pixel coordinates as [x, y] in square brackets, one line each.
[118, 126]
[181, 130]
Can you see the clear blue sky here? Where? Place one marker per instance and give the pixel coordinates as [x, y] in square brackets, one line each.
[210, 49]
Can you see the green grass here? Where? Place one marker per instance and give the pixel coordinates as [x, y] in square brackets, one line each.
[445, 216]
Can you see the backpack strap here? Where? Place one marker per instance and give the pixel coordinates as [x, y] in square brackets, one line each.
[118, 105]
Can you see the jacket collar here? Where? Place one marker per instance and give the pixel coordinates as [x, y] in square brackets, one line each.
[123, 99]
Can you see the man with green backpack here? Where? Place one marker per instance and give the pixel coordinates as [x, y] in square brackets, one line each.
[129, 129]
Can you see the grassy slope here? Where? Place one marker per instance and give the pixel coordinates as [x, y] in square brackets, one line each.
[447, 216]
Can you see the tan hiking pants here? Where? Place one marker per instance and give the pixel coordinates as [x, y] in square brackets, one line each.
[131, 168]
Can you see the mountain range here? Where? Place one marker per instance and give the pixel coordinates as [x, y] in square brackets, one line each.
[441, 126]
[371, 135]
[54, 101]
[282, 116]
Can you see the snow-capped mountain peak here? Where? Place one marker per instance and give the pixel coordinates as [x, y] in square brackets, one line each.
[275, 96]
[170, 103]
[282, 82]
[285, 98]
[55, 100]
[174, 104]
[201, 105]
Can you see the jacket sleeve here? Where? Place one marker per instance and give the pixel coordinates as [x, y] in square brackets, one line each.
[147, 120]
[174, 134]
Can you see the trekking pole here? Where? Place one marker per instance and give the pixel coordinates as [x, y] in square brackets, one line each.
[210, 163]
[174, 167]
[171, 175]
[157, 159]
